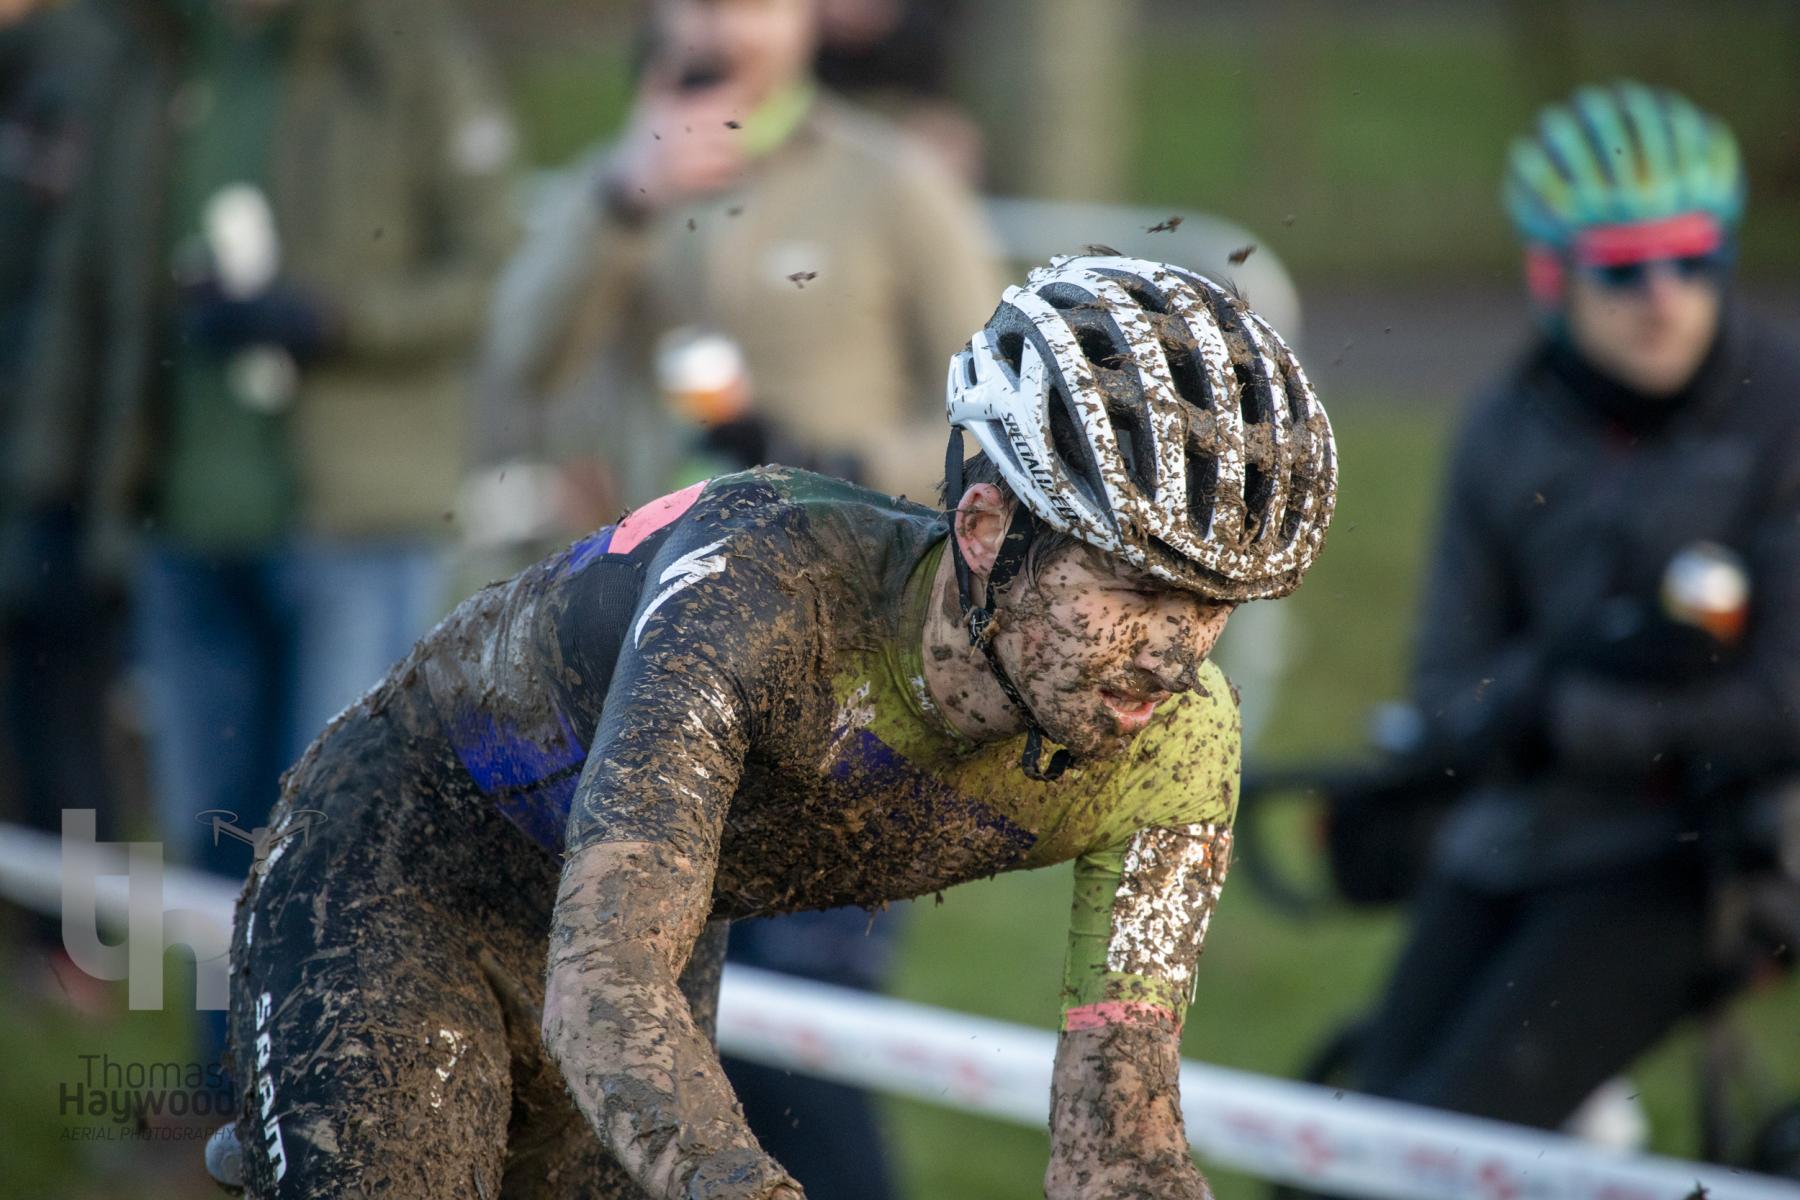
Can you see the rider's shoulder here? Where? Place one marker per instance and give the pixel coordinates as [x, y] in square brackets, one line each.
[843, 524]
[788, 492]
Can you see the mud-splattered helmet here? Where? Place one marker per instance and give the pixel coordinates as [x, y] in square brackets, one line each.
[1147, 411]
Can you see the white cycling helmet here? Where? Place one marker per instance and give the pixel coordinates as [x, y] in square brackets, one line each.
[1145, 410]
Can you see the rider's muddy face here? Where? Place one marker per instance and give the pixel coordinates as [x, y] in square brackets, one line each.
[1096, 646]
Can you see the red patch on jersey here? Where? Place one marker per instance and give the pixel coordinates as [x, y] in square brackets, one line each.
[652, 517]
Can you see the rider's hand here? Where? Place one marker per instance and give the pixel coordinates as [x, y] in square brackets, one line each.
[1166, 1175]
[742, 1173]
[1115, 1117]
[678, 145]
[1164, 1178]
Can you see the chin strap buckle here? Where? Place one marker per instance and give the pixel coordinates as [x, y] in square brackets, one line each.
[980, 624]
[1034, 750]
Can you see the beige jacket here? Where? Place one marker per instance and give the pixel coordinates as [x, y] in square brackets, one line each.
[850, 360]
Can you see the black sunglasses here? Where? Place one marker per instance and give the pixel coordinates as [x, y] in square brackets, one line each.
[1634, 276]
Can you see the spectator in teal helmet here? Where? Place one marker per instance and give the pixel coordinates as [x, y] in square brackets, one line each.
[1627, 198]
[1619, 737]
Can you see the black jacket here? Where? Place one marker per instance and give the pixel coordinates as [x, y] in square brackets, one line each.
[1565, 501]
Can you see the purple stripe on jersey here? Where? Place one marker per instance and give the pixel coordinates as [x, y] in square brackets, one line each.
[878, 768]
[542, 810]
[585, 551]
[497, 757]
[531, 781]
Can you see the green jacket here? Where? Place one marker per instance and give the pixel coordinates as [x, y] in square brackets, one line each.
[390, 189]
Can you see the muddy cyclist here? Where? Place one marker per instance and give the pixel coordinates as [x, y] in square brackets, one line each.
[770, 692]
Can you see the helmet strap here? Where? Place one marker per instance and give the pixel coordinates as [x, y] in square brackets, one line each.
[978, 620]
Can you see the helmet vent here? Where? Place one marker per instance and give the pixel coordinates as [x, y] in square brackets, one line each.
[1296, 394]
[1181, 351]
[1202, 484]
[1558, 160]
[1290, 519]
[1251, 400]
[1259, 489]
[1071, 448]
[1604, 155]
[1012, 349]
[1147, 298]
[1254, 400]
[1097, 347]
[1131, 431]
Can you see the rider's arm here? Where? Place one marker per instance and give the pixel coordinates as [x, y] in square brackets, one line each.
[1137, 927]
[644, 835]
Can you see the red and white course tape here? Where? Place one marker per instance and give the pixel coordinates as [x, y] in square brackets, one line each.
[1299, 1133]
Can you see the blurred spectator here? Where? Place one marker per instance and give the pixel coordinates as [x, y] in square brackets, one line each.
[895, 56]
[58, 639]
[843, 261]
[1610, 651]
[270, 276]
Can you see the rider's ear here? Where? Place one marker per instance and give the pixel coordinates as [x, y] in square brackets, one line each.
[981, 519]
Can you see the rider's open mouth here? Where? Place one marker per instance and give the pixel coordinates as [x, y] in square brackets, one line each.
[1132, 710]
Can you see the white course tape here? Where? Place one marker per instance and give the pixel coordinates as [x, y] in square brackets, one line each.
[1276, 1129]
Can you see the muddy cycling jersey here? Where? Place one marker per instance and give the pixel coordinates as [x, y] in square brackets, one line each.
[735, 672]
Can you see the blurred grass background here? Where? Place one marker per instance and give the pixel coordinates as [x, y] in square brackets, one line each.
[1379, 130]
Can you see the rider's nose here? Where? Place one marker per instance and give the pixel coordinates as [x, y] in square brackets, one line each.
[1177, 647]
[1174, 667]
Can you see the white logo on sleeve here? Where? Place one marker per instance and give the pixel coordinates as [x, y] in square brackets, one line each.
[689, 568]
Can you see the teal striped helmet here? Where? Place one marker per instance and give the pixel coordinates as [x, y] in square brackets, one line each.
[1617, 155]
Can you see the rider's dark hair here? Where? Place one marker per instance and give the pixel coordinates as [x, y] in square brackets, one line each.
[1048, 543]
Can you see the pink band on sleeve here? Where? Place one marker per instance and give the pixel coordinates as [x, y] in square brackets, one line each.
[1117, 1012]
[653, 516]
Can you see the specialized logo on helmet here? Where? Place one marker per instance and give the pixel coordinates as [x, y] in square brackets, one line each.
[1041, 474]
